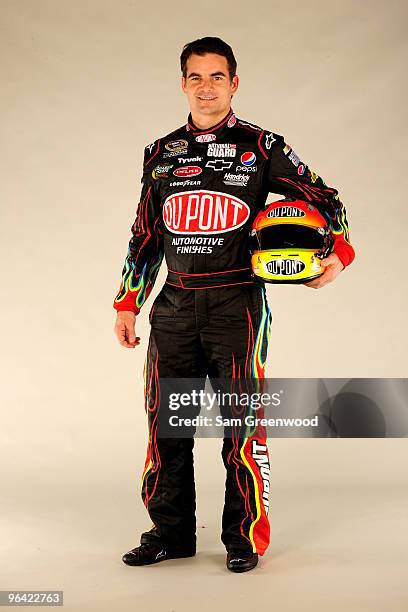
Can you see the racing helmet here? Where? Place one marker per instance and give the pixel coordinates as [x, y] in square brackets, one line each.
[288, 239]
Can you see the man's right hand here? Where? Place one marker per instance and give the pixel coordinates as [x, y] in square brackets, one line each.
[125, 329]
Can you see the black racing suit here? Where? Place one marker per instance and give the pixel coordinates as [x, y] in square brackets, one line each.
[201, 192]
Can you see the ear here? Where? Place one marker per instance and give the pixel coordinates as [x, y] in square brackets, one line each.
[234, 84]
[183, 84]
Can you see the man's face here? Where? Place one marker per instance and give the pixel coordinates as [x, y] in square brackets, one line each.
[207, 84]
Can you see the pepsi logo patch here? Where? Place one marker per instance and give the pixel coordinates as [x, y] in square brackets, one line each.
[248, 158]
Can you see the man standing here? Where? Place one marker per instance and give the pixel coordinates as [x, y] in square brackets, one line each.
[203, 185]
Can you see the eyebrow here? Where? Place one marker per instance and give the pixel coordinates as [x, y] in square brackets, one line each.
[219, 73]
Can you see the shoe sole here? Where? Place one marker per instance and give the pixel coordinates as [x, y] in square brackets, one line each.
[154, 561]
[241, 570]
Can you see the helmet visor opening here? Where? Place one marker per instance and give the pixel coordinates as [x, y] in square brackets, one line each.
[287, 236]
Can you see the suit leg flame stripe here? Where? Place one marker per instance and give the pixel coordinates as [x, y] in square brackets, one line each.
[259, 529]
[151, 473]
[263, 335]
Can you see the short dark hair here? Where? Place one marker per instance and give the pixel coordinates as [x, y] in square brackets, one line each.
[209, 44]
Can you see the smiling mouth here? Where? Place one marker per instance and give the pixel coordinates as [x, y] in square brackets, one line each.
[207, 97]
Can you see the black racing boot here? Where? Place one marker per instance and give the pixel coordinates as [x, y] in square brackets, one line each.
[147, 554]
[241, 561]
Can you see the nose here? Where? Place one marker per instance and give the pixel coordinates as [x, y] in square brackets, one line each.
[206, 83]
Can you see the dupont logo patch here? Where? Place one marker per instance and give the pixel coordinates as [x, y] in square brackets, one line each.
[283, 212]
[204, 212]
[285, 267]
[187, 171]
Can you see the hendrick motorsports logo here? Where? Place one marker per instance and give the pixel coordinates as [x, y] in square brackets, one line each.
[204, 212]
[285, 267]
[241, 180]
[286, 211]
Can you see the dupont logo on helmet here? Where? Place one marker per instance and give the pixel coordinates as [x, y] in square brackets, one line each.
[187, 171]
[204, 212]
[248, 158]
[283, 212]
[285, 267]
[206, 138]
[290, 238]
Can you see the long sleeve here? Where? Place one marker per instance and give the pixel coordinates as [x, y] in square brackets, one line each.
[145, 251]
[286, 174]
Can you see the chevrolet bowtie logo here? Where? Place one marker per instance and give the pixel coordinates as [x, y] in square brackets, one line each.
[218, 164]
